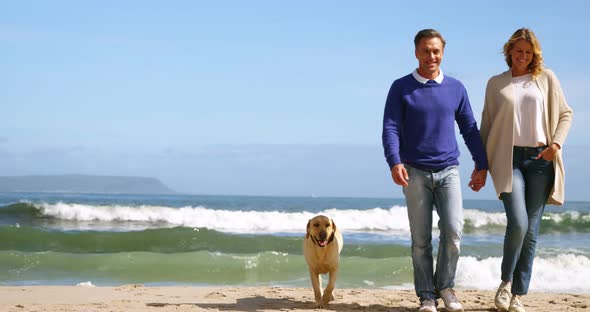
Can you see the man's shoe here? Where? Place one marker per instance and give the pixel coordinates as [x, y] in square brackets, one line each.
[502, 299]
[428, 305]
[452, 304]
[516, 304]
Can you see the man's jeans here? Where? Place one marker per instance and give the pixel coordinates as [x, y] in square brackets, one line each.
[532, 181]
[440, 189]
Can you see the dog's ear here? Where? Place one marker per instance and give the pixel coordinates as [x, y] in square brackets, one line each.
[333, 225]
[307, 232]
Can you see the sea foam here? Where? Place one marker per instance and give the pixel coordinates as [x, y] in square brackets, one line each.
[390, 220]
[562, 273]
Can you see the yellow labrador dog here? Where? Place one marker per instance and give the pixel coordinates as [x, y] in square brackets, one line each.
[321, 248]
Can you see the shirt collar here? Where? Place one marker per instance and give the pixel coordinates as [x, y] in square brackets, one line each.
[423, 80]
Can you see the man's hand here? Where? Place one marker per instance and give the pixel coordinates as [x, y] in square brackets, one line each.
[549, 153]
[400, 175]
[478, 179]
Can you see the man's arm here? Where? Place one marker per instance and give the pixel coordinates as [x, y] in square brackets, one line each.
[472, 138]
[391, 136]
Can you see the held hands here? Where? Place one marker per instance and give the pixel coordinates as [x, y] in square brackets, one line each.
[549, 153]
[400, 175]
[478, 179]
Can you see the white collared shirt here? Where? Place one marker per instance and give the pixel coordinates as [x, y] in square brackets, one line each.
[423, 80]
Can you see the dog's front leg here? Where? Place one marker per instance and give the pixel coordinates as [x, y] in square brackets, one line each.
[316, 283]
[327, 297]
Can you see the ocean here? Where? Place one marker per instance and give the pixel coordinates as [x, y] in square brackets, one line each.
[108, 240]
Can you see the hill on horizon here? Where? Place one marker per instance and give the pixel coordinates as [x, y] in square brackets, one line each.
[83, 184]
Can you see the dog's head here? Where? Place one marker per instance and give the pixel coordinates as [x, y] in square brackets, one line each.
[320, 229]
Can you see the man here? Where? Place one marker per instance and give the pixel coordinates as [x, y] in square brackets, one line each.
[422, 153]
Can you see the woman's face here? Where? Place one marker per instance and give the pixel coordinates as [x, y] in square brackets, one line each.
[521, 55]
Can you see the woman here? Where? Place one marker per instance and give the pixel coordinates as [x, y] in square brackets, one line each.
[524, 125]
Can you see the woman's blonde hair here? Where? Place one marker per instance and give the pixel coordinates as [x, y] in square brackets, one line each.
[536, 65]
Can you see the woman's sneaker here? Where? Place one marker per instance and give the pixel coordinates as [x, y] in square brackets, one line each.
[452, 304]
[502, 299]
[516, 304]
[427, 305]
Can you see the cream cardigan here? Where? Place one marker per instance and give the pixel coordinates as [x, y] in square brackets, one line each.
[497, 128]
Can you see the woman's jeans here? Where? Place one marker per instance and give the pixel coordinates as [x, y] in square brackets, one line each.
[532, 181]
[440, 189]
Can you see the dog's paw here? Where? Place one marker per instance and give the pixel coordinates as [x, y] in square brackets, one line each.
[319, 305]
[326, 298]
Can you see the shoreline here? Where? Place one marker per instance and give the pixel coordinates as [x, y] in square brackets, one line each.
[135, 297]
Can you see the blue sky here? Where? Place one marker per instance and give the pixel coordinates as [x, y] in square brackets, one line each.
[251, 97]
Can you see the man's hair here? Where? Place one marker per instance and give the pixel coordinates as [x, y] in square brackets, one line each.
[536, 65]
[428, 33]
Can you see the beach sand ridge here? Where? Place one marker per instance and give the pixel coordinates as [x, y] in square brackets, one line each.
[141, 298]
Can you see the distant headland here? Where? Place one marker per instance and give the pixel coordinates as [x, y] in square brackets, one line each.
[83, 184]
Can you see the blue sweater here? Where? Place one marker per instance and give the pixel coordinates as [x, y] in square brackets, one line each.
[419, 124]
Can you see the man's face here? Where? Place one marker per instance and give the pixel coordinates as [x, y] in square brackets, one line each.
[429, 54]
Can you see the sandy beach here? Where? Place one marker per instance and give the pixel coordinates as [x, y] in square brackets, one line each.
[141, 298]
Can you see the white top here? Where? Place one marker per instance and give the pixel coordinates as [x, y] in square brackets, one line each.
[423, 80]
[529, 125]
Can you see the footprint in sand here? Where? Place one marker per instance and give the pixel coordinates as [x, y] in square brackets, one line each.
[214, 295]
[129, 287]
